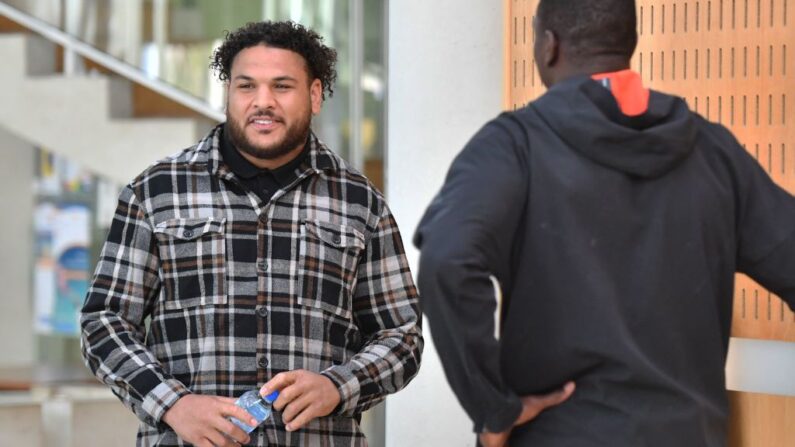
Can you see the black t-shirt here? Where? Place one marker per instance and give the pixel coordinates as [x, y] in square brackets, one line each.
[263, 182]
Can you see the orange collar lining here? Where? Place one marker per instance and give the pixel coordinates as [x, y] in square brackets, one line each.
[627, 88]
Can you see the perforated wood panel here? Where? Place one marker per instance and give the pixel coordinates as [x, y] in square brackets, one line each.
[521, 77]
[733, 62]
[765, 420]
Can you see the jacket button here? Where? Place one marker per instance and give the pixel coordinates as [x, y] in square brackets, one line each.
[262, 362]
[262, 266]
[187, 233]
[262, 311]
[337, 239]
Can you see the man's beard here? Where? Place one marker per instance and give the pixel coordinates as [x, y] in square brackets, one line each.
[296, 135]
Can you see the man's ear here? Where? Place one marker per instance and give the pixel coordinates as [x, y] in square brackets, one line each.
[316, 96]
[550, 50]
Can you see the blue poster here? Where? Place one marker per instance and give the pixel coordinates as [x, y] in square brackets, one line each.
[62, 266]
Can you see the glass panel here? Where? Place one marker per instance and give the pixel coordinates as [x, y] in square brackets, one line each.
[49, 11]
[173, 40]
[330, 20]
[373, 84]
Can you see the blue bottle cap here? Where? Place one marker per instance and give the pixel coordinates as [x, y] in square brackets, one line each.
[271, 398]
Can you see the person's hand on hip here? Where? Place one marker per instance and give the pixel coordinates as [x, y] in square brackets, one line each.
[532, 406]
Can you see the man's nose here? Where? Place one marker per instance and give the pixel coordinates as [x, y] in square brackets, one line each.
[264, 98]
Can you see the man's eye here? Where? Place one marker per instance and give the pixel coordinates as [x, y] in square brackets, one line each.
[245, 86]
[283, 86]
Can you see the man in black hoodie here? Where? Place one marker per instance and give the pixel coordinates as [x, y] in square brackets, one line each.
[611, 220]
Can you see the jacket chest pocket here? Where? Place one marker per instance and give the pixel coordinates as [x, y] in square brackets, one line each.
[192, 261]
[328, 264]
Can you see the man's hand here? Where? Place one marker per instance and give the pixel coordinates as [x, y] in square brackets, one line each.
[532, 406]
[202, 421]
[303, 396]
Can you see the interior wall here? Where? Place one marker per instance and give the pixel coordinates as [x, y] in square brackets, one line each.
[16, 255]
[444, 82]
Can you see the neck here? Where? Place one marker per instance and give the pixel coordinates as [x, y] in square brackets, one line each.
[592, 66]
[272, 163]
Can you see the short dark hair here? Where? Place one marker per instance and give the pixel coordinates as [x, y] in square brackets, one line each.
[592, 27]
[320, 59]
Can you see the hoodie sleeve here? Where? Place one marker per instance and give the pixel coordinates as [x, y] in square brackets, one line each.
[765, 227]
[465, 238]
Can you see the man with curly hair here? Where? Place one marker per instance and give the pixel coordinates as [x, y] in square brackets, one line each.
[255, 259]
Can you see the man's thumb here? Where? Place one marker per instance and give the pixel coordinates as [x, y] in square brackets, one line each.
[557, 397]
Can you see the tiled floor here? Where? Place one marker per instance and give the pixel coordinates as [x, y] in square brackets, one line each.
[65, 417]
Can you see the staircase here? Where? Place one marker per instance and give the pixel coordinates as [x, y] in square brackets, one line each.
[86, 118]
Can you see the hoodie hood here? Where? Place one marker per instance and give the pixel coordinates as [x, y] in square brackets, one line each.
[585, 115]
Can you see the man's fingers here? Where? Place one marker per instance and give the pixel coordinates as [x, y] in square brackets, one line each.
[303, 418]
[279, 382]
[203, 420]
[219, 439]
[295, 407]
[216, 438]
[556, 397]
[234, 432]
[494, 439]
[204, 442]
[289, 393]
[303, 396]
[535, 404]
[232, 410]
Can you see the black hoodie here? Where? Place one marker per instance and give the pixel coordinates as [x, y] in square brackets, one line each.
[615, 241]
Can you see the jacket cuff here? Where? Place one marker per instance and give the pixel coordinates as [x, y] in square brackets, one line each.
[161, 399]
[348, 387]
[500, 421]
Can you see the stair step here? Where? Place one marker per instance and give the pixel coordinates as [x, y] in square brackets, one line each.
[86, 118]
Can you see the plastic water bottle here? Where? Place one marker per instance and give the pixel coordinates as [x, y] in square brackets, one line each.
[258, 406]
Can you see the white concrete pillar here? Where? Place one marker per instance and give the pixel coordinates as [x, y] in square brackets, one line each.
[445, 81]
[761, 366]
[16, 251]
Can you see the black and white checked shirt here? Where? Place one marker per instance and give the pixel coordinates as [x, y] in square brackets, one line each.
[204, 288]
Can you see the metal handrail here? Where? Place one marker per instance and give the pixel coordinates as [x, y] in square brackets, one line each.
[122, 68]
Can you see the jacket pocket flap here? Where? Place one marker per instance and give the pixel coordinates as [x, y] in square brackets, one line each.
[334, 234]
[188, 229]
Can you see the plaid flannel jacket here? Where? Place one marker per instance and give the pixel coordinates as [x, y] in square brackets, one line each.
[202, 288]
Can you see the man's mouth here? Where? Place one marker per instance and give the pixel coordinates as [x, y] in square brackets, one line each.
[263, 123]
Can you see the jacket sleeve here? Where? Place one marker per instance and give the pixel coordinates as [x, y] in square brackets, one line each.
[765, 228]
[386, 311]
[125, 286]
[466, 237]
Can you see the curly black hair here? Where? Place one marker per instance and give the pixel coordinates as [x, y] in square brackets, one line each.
[320, 59]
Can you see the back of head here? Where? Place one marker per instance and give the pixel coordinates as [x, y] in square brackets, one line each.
[591, 28]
